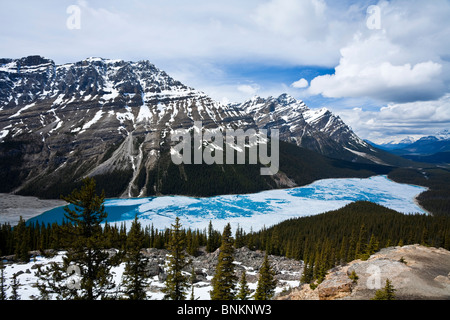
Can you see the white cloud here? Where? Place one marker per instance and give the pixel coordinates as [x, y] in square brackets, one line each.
[383, 81]
[302, 83]
[403, 62]
[396, 120]
[249, 89]
[276, 31]
[293, 18]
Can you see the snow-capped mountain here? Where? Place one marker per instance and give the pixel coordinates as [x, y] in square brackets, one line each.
[424, 145]
[443, 135]
[317, 130]
[112, 119]
[96, 116]
[394, 144]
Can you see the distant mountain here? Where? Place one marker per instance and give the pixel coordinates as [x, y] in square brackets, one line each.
[392, 145]
[112, 119]
[443, 135]
[427, 145]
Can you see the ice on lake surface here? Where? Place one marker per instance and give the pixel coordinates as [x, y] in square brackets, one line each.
[254, 211]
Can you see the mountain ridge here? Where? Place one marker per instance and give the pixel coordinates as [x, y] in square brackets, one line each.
[423, 146]
[113, 118]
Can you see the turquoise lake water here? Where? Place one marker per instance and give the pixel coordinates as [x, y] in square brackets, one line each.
[254, 211]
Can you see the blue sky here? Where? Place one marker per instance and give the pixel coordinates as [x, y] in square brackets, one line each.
[383, 66]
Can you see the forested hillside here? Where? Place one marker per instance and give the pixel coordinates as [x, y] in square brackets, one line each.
[355, 231]
[437, 199]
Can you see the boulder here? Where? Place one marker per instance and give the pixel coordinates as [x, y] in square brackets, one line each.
[337, 286]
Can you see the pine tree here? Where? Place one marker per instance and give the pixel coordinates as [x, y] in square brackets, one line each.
[308, 270]
[22, 241]
[86, 252]
[343, 251]
[305, 274]
[266, 282]
[239, 238]
[192, 280]
[176, 283]
[2, 281]
[224, 280]
[387, 293]
[192, 243]
[244, 290]
[213, 241]
[362, 243]
[424, 238]
[353, 276]
[15, 288]
[135, 276]
[351, 253]
[371, 248]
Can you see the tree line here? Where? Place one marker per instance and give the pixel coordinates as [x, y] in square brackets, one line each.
[87, 246]
[437, 198]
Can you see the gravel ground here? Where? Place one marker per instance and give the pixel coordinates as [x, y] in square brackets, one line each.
[14, 206]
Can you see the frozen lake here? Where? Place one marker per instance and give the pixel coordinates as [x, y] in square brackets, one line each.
[254, 211]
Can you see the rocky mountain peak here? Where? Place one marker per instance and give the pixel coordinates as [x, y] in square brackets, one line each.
[285, 99]
[101, 116]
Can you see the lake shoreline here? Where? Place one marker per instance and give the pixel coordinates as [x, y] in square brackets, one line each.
[12, 207]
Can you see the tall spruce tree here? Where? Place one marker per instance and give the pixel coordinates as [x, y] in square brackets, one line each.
[244, 290]
[135, 277]
[361, 245]
[224, 280]
[22, 241]
[267, 283]
[213, 241]
[176, 284]
[86, 254]
[88, 250]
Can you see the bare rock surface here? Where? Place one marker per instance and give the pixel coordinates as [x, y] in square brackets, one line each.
[416, 272]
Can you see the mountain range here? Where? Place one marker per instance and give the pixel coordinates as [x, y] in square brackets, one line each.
[112, 119]
[428, 149]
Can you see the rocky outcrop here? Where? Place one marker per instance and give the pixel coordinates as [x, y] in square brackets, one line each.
[416, 272]
[335, 287]
[286, 270]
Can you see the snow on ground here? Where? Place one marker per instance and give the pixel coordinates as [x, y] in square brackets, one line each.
[22, 110]
[27, 279]
[97, 117]
[27, 276]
